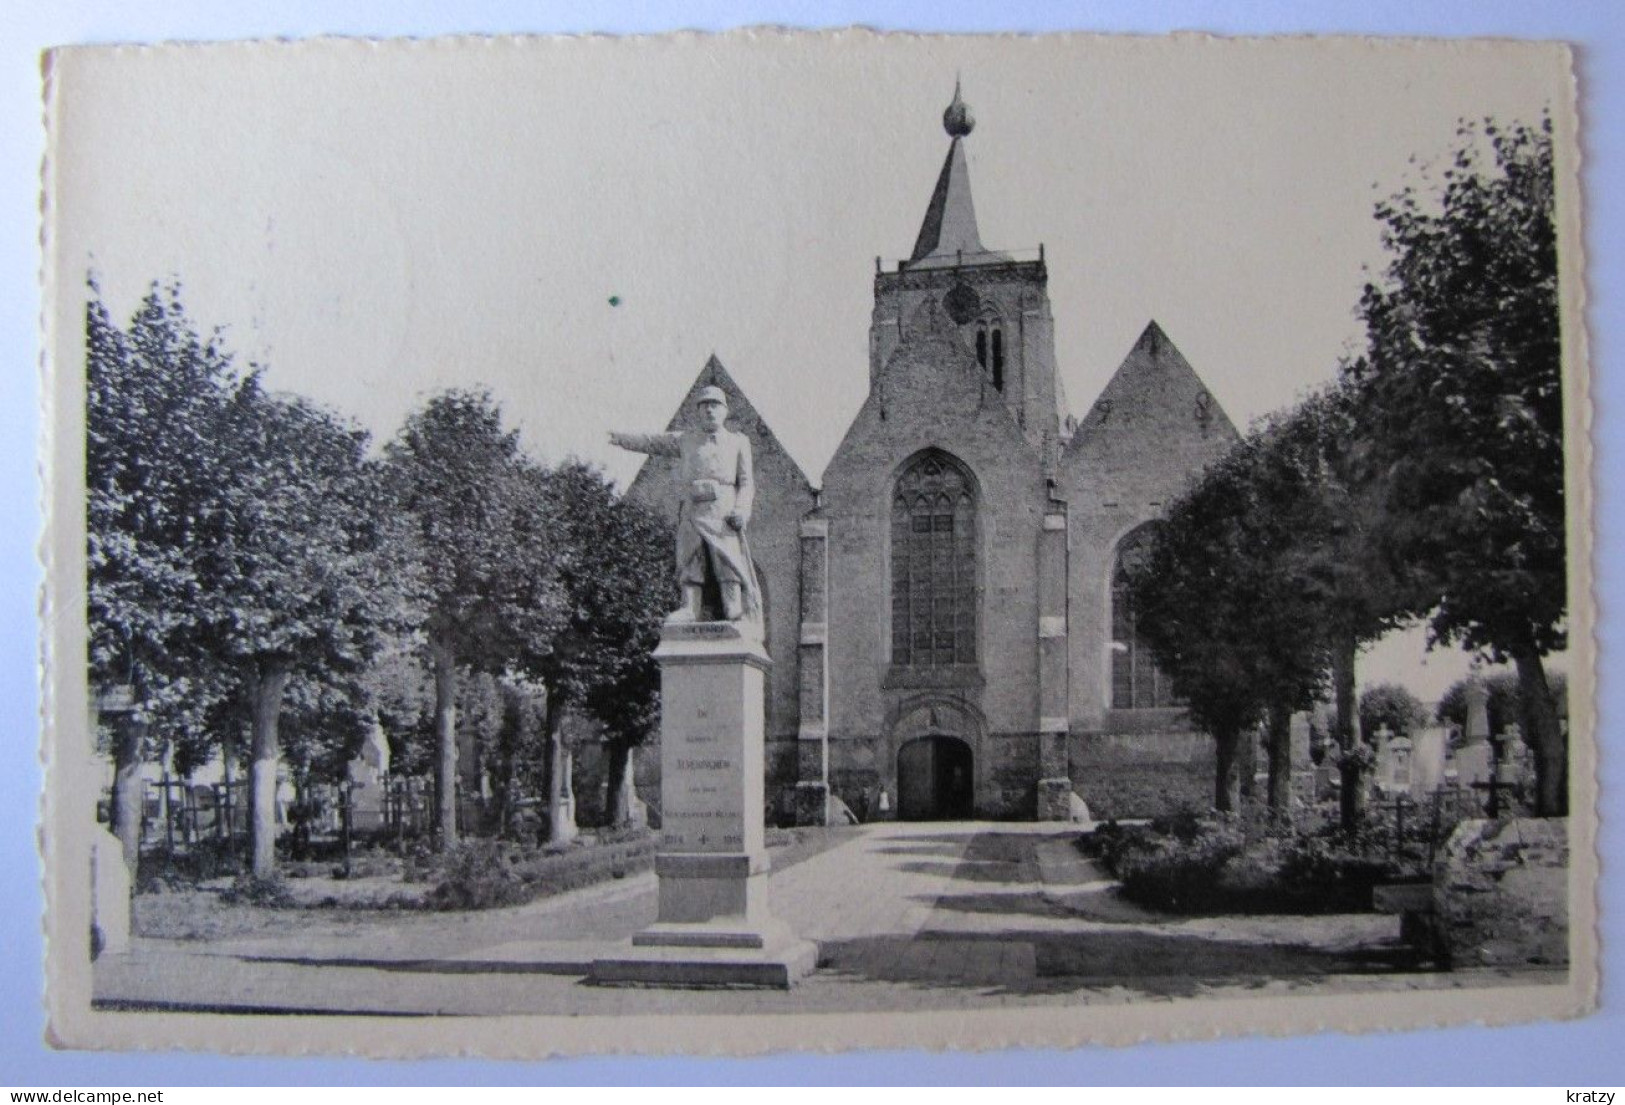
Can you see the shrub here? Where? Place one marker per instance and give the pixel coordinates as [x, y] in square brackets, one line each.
[206, 859]
[480, 874]
[246, 889]
[1181, 869]
[491, 874]
[1330, 874]
[1192, 863]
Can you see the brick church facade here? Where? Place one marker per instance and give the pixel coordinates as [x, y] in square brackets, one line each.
[947, 636]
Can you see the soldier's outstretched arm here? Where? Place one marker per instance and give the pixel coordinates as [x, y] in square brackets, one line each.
[659, 445]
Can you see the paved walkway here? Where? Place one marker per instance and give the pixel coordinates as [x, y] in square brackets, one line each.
[942, 915]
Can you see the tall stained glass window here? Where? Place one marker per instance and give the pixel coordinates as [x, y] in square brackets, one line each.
[933, 564]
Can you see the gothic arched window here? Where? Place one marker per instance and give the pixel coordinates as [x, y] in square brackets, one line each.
[990, 348]
[933, 564]
[1137, 683]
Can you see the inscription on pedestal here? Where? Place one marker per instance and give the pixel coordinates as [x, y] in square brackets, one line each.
[704, 800]
[710, 739]
[701, 631]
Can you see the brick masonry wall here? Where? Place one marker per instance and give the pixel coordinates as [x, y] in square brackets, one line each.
[1014, 296]
[1142, 774]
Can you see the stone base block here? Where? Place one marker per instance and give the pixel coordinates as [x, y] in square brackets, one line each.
[709, 956]
[702, 889]
[1055, 799]
[812, 804]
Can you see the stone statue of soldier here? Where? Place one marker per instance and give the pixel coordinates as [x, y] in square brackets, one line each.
[715, 490]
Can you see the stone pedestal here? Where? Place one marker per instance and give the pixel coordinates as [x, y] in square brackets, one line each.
[812, 804]
[713, 926]
[1055, 799]
[1055, 780]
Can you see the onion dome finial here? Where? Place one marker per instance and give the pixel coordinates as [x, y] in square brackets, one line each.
[958, 120]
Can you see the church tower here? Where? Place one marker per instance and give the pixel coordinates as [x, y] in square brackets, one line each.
[1000, 304]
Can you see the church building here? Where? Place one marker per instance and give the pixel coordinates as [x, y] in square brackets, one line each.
[944, 611]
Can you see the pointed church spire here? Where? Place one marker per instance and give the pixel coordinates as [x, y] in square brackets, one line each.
[949, 232]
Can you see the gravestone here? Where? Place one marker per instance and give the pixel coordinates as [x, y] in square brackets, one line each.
[713, 927]
[1478, 712]
[368, 775]
[1428, 760]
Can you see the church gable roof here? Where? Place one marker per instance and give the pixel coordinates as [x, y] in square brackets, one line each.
[1154, 395]
[742, 418]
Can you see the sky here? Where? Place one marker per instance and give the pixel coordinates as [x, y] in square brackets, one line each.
[578, 224]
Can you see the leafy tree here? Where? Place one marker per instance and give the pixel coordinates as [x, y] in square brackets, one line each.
[484, 528]
[323, 723]
[1461, 397]
[1391, 705]
[501, 720]
[518, 753]
[306, 575]
[155, 395]
[1337, 556]
[1221, 598]
[618, 587]
[401, 690]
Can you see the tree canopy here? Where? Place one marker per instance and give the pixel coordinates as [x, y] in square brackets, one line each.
[486, 533]
[1461, 392]
[1227, 604]
[1462, 409]
[156, 396]
[1393, 706]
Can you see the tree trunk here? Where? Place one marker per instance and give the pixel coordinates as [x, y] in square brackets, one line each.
[1345, 730]
[445, 737]
[265, 693]
[1246, 764]
[1543, 735]
[1227, 777]
[1280, 762]
[561, 802]
[620, 783]
[228, 808]
[125, 816]
[500, 769]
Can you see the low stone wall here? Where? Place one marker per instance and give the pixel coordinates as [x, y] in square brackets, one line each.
[1501, 894]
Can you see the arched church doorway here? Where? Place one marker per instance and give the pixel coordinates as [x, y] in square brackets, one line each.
[935, 780]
